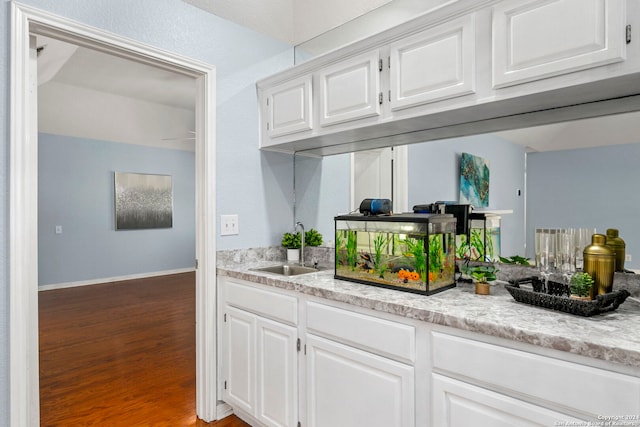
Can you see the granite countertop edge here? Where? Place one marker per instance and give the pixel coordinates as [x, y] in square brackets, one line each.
[605, 337]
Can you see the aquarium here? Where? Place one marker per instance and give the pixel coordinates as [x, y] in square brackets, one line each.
[482, 241]
[409, 252]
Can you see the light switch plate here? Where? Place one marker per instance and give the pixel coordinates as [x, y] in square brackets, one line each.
[228, 225]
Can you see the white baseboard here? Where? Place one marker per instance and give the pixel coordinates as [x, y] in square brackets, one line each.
[113, 279]
[223, 410]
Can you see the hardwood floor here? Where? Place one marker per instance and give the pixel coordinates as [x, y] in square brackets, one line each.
[120, 354]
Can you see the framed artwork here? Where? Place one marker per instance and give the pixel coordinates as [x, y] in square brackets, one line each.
[143, 201]
[474, 181]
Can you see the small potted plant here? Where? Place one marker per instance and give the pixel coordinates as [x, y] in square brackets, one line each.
[312, 238]
[482, 275]
[292, 241]
[580, 286]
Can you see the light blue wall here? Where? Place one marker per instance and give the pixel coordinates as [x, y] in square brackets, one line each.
[434, 174]
[322, 192]
[241, 56]
[76, 191]
[591, 187]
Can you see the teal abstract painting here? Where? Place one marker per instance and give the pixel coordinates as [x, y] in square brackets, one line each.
[474, 181]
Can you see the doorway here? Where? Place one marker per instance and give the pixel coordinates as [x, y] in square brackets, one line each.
[23, 238]
[380, 173]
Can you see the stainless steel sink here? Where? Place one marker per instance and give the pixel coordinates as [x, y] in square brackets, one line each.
[287, 270]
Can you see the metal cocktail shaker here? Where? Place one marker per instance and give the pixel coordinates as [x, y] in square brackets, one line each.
[599, 262]
[618, 246]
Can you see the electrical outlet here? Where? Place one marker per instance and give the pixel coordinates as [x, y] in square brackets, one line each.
[628, 258]
[58, 229]
[228, 225]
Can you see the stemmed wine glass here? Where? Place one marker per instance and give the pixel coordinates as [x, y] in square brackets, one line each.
[566, 253]
[546, 256]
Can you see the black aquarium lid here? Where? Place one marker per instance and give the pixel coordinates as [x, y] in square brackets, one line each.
[400, 217]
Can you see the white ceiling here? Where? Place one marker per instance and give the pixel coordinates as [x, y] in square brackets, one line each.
[293, 21]
[90, 69]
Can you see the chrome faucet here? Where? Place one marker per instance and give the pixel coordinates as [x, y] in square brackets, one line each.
[299, 224]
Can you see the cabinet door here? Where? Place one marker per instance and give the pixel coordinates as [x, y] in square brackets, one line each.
[240, 360]
[350, 387]
[349, 89]
[277, 374]
[433, 65]
[288, 108]
[535, 39]
[458, 404]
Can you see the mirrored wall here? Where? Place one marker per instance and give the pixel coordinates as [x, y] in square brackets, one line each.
[573, 174]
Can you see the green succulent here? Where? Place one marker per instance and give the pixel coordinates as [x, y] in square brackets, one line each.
[515, 260]
[312, 238]
[292, 240]
[481, 273]
[581, 284]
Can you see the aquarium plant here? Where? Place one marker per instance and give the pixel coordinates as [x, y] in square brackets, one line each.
[474, 247]
[416, 248]
[339, 248]
[380, 244]
[352, 249]
[436, 253]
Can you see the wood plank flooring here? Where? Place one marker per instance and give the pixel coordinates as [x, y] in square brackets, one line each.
[120, 354]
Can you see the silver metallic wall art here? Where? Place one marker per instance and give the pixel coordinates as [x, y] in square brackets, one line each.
[143, 201]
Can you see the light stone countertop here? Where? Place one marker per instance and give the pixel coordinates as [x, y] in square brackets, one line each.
[612, 336]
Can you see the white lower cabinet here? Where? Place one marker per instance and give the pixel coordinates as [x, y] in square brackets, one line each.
[350, 387]
[355, 367]
[261, 375]
[239, 357]
[458, 404]
[520, 379]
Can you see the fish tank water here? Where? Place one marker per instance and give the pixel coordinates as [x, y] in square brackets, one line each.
[409, 252]
[482, 242]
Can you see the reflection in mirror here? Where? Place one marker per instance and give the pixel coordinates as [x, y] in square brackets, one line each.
[390, 14]
[574, 174]
[321, 191]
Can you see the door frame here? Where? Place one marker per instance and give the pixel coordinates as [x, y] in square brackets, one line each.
[400, 157]
[24, 408]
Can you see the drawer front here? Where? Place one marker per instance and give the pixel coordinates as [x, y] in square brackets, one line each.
[589, 390]
[380, 336]
[283, 308]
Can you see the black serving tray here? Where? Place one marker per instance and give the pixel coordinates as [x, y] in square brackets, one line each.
[556, 297]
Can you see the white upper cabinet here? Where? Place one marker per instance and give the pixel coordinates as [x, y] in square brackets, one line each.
[349, 90]
[535, 39]
[288, 108]
[433, 65]
[469, 66]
